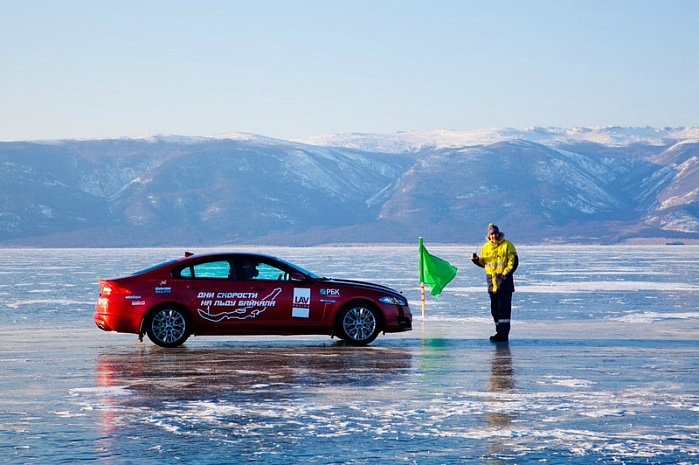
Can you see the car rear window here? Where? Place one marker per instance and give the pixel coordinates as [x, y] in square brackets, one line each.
[150, 268]
[218, 269]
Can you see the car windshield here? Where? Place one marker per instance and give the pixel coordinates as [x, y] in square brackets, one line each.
[302, 270]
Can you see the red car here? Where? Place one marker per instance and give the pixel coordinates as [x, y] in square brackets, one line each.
[245, 294]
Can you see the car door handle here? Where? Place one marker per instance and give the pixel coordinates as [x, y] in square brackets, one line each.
[193, 286]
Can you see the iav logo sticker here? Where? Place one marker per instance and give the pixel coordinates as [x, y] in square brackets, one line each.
[301, 306]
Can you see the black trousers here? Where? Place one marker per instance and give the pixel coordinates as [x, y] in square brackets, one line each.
[501, 309]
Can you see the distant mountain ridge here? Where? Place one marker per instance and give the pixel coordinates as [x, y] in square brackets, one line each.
[540, 185]
[415, 141]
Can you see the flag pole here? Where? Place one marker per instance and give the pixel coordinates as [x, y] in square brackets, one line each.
[422, 282]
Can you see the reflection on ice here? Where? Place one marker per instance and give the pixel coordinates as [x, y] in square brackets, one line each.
[502, 411]
[431, 400]
[245, 373]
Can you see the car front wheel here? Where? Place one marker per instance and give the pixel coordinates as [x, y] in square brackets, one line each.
[358, 324]
[168, 326]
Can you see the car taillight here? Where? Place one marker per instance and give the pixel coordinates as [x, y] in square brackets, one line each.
[113, 289]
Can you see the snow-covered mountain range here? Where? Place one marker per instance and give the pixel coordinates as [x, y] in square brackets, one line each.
[415, 141]
[591, 185]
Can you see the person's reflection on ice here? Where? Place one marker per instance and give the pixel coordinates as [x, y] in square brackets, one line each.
[501, 381]
[498, 414]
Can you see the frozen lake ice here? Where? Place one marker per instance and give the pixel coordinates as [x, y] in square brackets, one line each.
[602, 366]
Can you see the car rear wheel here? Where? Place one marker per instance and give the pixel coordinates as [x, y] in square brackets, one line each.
[358, 323]
[169, 326]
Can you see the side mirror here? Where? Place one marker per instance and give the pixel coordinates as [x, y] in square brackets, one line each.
[297, 277]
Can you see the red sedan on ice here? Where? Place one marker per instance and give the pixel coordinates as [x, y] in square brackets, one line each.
[245, 294]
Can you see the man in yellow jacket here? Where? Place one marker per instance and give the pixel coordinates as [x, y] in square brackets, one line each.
[499, 258]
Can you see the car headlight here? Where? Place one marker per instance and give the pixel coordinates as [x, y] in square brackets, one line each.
[392, 299]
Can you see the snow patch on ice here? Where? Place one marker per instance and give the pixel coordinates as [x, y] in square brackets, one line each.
[570, 287]
[650, 317]
[102, 391]
[569, 382]
[604, 413]
[68, 414]
[65, 302]
[448, 319]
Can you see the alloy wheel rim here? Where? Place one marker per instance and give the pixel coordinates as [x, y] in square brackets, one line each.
[169, 326]
[359, 323]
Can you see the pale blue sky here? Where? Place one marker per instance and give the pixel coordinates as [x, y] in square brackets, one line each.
[85, 69]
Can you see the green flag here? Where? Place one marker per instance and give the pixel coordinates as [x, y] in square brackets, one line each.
[435, 271]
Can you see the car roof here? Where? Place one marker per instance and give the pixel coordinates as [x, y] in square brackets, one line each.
[193, 256]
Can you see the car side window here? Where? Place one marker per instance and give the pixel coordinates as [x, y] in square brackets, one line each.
[269, 272]
[253, 270]
[219, 270]
[185, 272]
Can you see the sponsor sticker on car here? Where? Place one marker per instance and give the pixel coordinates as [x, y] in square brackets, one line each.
[250, 307]
[301, 306]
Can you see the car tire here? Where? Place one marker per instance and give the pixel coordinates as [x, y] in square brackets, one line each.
[169, 326]
[358, 323]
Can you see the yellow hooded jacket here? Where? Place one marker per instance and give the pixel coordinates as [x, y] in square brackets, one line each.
[500, 261]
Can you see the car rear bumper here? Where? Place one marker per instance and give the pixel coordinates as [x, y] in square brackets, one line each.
[101, 322]
[120, 324]
[116, 316]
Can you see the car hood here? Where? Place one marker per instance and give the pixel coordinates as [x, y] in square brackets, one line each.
[361, 284]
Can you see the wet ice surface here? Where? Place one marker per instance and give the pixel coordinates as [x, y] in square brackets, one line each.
[602, 367]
